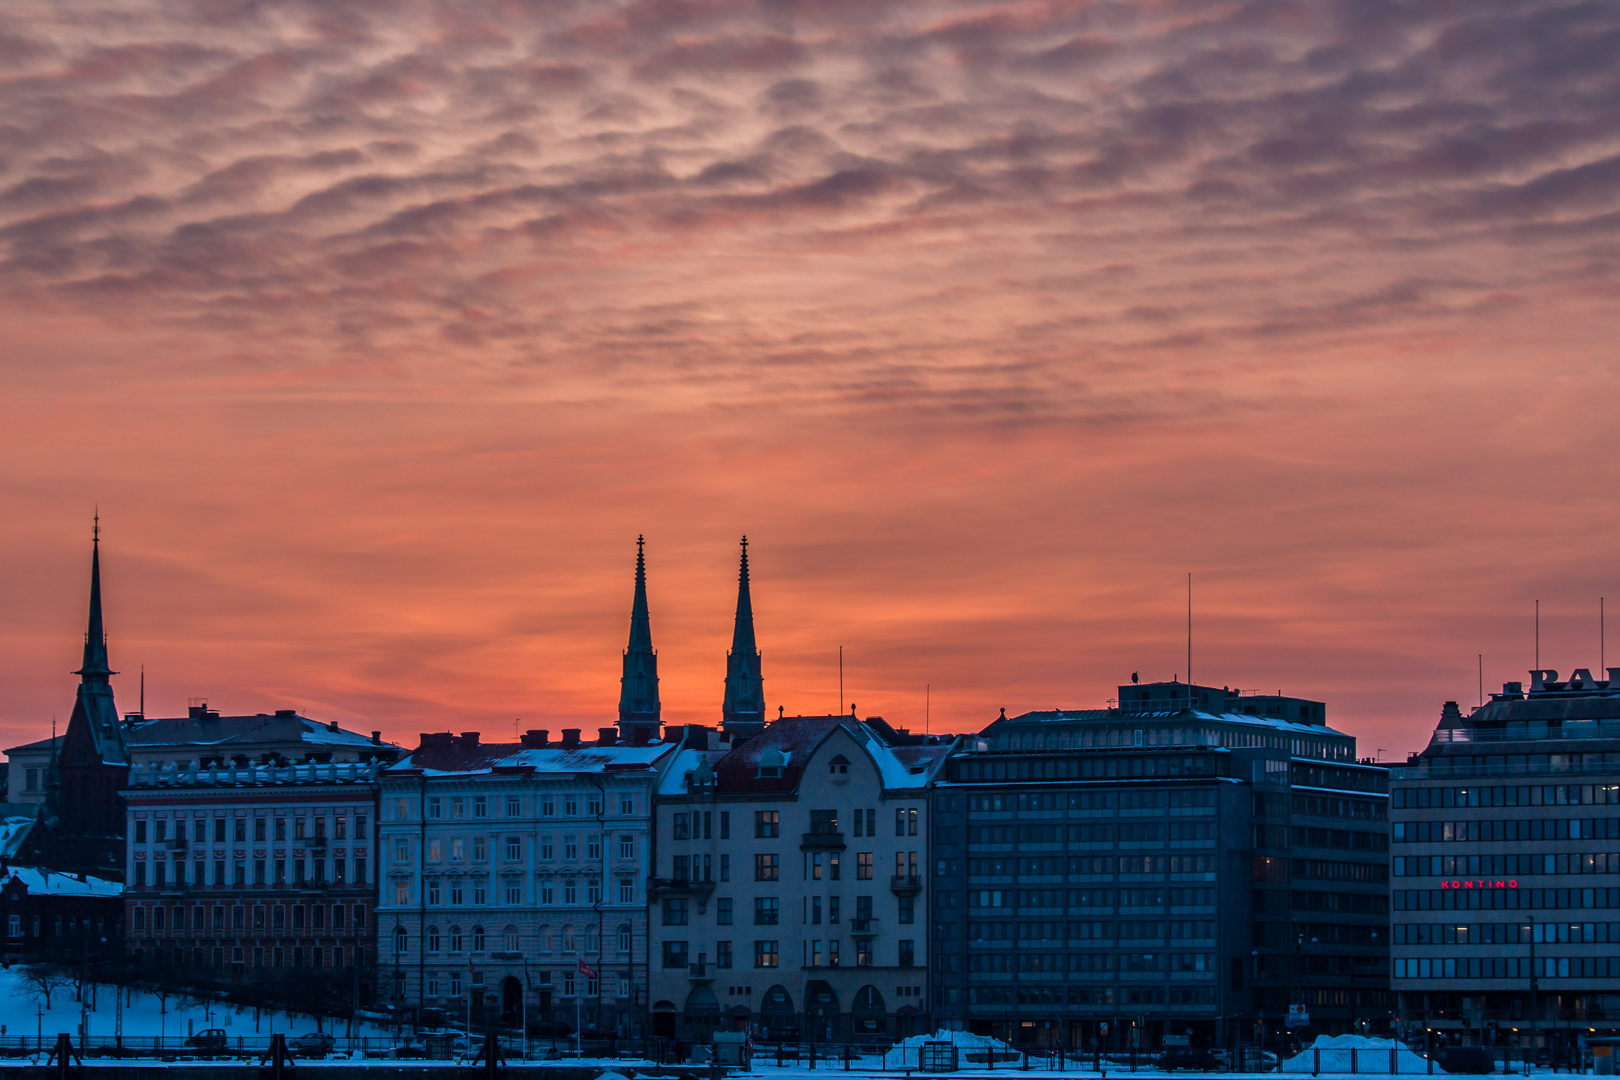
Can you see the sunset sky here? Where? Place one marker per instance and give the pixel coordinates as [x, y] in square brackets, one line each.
[379, 331]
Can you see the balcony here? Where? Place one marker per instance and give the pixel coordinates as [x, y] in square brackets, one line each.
[822, 841]
[863, 927]
[699, 972]
[176, 843]
[906, 884]
[317, 842]
[699, 889]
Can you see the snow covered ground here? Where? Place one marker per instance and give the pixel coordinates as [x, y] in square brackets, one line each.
[145, 1016]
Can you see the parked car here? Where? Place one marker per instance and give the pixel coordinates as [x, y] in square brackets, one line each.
[212, 1041]
[1188, 1057]
[599, 1033]
[314, 1044]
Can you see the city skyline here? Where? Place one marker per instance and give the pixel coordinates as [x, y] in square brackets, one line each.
[378, 338]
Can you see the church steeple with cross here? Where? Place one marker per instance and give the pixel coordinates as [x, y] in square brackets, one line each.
[639, 708]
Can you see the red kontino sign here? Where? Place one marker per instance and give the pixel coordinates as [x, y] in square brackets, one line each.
[1480, 884]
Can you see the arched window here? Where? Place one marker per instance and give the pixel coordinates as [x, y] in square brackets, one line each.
[401, 939]
[590, 939]
[433, 939]
[545, 939]
[478, 939]
[568, 939]
[839, 765]
[624, 939]
[455, 939]
[511, 939]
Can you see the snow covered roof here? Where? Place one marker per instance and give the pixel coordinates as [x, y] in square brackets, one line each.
[1052, 716]
[206, 728]
[40, 882]
[14, 829]
[795, 738]
[458, 758]
[150, 776]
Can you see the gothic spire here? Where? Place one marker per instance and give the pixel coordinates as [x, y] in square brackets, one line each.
[639, 708]
[744, 710]
[94, 669]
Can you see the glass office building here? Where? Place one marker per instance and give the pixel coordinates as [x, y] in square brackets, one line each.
[1188, 863]
[1505, 868]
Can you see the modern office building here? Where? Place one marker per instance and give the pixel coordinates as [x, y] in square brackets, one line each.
[1187, 864]
[254, 875]
[1506, 867]
[829, 944]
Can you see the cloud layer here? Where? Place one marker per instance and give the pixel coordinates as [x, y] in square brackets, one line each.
[381, 331]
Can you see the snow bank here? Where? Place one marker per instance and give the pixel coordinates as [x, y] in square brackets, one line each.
[1371, 1056]
[964, 1039]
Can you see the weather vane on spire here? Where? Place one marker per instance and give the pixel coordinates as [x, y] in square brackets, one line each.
[95, 528]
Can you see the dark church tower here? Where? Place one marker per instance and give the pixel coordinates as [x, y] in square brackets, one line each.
[87, 826]
[743, 714]
[639, 710]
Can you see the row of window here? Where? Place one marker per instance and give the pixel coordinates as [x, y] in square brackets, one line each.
[440, 984]
[1508, 933]
[511, 941]
[767, 954]
[1507, 865]
[226, 830]
[1424, 798]
[1506, 829]
[345, 873]
[1270, 868]
[699, 825]
[1091, 995]
[973, 770]
[1507, 967]
[1135, 962]
[479, 807]
[14, 926]
[311, 917]
[1054, 933]
[457, 890]
[1086, 802]
[1489, 895]
[319, 956]
[458, 849]
[1101, 901]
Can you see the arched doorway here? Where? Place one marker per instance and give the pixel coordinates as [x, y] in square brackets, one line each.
[777, 1020]
[737, 1018]
[869, 1017]
[821, 1010]
[663, 1019]
[511, 1000]
[702, 1013]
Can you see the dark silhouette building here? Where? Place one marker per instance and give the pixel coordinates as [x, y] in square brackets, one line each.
[84, 814]
[743, 714]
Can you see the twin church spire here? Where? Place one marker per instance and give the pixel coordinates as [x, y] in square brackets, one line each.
[743, 713]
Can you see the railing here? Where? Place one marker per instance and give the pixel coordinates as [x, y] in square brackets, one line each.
[863, 927]
[1525, 731]
[825, 840]
[906, 883]
[698, 970]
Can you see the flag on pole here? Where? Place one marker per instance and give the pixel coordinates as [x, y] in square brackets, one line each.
[585, 970]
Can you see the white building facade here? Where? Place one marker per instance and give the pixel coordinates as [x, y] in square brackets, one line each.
[513, 879]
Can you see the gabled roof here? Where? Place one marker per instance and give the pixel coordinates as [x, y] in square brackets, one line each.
[796, 739]
[284, 727]
[40, 882]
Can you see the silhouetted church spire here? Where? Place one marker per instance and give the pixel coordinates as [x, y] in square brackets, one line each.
[94, 669]
[639, 708]
[743, 713]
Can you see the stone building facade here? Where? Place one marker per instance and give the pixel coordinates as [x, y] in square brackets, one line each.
[790, 893]
[514, 878]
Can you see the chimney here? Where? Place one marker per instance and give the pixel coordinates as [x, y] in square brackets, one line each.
[282, 714]
[469, 739]
[332, 727]
[376, 738]
[1450, 715]
[535, 739]
[640, 734]
[607, 736]
[438, 740]
[570, 737]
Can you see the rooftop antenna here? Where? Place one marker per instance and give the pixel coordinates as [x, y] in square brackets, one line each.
[840, 680]
[143, 691]
[928, 691]
[1482, 680]
[1538, 635]
[1189, 642]
[1603, 660]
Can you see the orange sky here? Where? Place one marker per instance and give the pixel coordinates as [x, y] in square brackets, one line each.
[378, 336]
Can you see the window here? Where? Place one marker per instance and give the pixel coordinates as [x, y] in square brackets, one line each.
[725, 868]
[766, 954]
[767, 867]
[767, 911]
[433, 891]
[433, 939]
[593, 805]
[435, 806]
[511, 939]
[627, 845]
[457, 852]
[480, 894]
[570, 891]
[402, 893]
[674, 954]
[570, 848]
[570, 806]
[547, 849]
[480, 848]
[863, 866]
[905, 821]
[219, 830]
[478, 939]
[258, 830]
[514, 806]
[281, 831]
[548, 891]
[908, 952]
[199, 832]
[767, 823]
[675, 911]
[838, 766]
[480, 806]
[240, 831]
[627, 804]
[514, 892]
[402, 850]
[458, 807]
[435, 852]
[593, 890]
[680, 828]
[863, 952]
[593, 848]
[907, 909]
[624, 939]
[824, 822]
[627, 890]
[548, 807]
[402, 810]
[725, 824]
[722, 954]
[402, 938]
[455, 939]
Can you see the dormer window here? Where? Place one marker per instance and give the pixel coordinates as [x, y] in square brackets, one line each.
[839, 766]
[771, 763]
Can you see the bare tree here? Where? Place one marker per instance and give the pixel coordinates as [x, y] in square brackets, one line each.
[45, 979]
